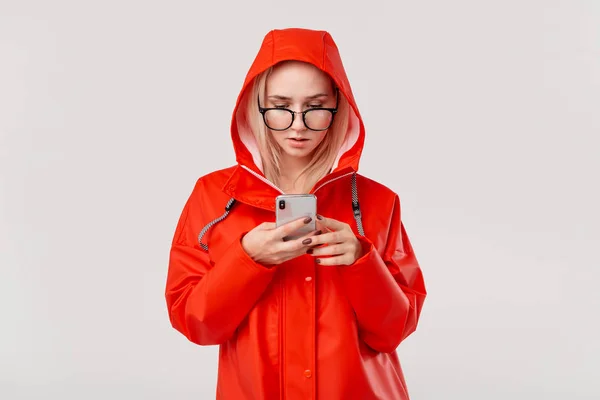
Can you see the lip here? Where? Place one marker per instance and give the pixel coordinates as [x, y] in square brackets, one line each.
[298, 143]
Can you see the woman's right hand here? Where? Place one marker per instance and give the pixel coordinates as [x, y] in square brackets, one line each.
[265, 244]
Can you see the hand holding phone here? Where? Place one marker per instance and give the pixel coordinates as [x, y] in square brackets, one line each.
[291, 236]
[265, 244]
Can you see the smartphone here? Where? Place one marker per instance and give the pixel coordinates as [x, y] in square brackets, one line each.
[290, 207]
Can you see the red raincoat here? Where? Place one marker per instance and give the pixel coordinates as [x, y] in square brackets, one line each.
[298, 330]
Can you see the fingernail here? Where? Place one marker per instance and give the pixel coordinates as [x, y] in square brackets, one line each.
[319, 217]
[285, 239]
[318, 261]
[318, 232]
[307, 220]
[307, 241]
[309, 251]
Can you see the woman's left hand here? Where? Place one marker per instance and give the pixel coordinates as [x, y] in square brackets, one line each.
[343, 247]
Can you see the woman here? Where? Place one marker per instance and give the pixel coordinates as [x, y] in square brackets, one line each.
[318, 317]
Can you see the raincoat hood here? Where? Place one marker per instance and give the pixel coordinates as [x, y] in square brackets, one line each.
[317, 48]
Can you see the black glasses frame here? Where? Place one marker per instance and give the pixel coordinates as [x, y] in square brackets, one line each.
[333, 111]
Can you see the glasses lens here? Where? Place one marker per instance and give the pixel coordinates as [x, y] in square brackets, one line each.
[318, 119]
[278, 119]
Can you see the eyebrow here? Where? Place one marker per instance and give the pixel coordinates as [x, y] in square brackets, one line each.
[280, 97]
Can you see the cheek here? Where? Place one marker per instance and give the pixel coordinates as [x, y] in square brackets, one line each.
[277, 136]
[321, 137]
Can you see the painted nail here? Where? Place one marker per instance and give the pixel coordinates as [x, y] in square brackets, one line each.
[307, 241]
[307, 220]
[319, 217]
[318, 261]
[318, 232]
[309, 251]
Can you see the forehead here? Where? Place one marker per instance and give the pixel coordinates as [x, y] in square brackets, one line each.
[297, 78]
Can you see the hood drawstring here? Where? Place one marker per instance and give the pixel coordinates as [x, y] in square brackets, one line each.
[356, 207]
[232, 201]
[228, 207]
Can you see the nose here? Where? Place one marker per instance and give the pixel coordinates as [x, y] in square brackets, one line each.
[298, 124]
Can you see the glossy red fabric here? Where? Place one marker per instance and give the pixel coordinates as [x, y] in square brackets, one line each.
[298, 330]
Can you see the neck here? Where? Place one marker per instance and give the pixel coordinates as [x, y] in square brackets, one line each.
[291, 167]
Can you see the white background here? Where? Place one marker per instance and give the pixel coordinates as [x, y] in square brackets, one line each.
[483, 115]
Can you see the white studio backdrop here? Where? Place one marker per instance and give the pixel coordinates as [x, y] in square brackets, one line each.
[482, 115]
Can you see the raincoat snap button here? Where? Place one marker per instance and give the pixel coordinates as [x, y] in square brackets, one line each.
[308, 278]
[308, 373]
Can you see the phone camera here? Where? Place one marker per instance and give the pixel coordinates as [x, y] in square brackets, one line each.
[281, 204]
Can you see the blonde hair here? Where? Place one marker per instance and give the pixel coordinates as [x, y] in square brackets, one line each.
[324, 154]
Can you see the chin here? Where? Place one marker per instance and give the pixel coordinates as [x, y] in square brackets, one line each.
[298, 153]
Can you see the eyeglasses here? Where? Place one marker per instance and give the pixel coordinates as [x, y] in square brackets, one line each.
[315, 119]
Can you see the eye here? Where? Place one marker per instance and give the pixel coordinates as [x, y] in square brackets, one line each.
[280, 105]
[315, 105]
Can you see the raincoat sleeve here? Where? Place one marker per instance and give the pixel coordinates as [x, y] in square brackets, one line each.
[206, 302]
[386, 290]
